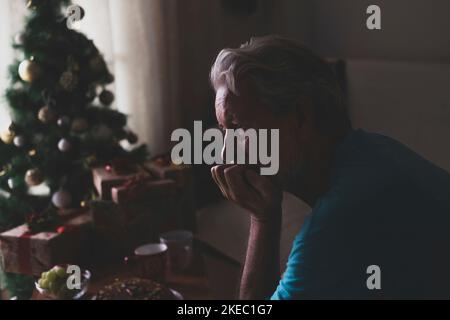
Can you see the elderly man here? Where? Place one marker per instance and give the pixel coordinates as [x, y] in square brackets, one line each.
[377, 207]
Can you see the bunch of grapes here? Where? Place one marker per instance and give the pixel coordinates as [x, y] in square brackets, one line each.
[54, 282]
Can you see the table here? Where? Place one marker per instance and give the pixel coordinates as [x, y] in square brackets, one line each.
[192, 283]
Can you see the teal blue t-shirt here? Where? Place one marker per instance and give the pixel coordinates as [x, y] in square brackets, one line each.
[386, 206]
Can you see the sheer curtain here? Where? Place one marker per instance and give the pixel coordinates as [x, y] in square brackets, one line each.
[11, 13]
[138, 40]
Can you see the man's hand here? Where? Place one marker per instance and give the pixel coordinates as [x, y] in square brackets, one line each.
[242, 185]
[262, 198]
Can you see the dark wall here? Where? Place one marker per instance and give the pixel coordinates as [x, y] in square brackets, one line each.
[411, 30]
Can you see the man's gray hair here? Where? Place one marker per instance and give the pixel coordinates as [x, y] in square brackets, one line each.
[280, 71]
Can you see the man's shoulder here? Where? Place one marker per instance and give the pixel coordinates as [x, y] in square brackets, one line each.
[374, 163]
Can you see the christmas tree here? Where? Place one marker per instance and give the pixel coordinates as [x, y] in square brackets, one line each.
[62, 121]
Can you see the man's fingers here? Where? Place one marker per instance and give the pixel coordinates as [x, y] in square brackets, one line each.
[217, 181]
[262, 184]
[238, 188]
[218, 173]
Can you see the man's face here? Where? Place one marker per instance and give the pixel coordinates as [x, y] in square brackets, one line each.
[245, 112]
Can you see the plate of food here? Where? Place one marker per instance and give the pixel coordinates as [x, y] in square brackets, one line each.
[136, 289]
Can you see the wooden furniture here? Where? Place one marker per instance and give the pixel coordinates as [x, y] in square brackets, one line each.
[192, 283]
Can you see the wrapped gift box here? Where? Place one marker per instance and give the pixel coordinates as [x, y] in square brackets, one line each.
[145, 196]
[134, 215]
[163, 168]
[110, 238]
[105, 178]
[183, 176]
[148, 205]
[31, 254]
[145, 189]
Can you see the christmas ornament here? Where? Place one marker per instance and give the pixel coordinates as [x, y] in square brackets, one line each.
[19, 141]
[46, 115]
[19, 38]
[106, 97]
[32, 4]
[33, 177]
[79, 125]
[62, 199]
[68, 81]
[61, 230]
[63, 122]
[7, 137]
[132, 138]
[13, 183]
[28, 70]
[64, 145]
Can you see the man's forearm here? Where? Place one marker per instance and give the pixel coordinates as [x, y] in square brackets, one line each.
[261, 272]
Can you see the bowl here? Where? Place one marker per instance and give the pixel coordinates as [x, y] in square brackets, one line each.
[66, 293]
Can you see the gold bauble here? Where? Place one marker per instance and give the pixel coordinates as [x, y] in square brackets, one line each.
[33, 177]
[28, 70]
[31, 4]
[46, 115]
[79, 125]
[7, 137]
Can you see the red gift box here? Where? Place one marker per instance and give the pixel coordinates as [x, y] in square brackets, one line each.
[148, 207]
[163, 168]
[28, 253]
[143, 188]
[105, 178]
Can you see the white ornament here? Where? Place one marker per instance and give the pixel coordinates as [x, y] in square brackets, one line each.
[62, 199]
[64, 145]
[19, 38]
[12, 183]
[64, 121]
[19, 141]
